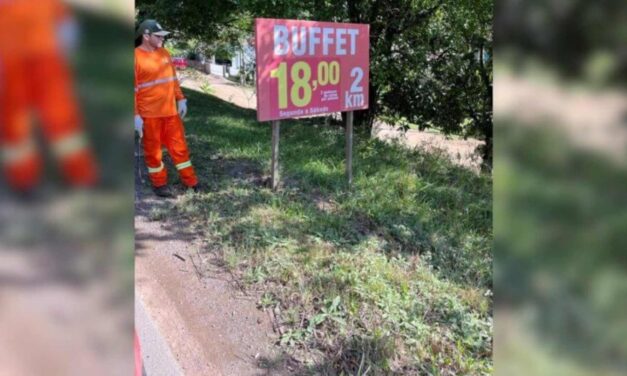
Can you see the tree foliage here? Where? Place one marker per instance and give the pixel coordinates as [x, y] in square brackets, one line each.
[211, 26]
[572, 36]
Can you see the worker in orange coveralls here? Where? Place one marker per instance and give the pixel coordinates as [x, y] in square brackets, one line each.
[35, 80]
[159, 108]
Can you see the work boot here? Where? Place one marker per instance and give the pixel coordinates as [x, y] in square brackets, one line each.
[196, 188]
[163, 191]
[27, 196]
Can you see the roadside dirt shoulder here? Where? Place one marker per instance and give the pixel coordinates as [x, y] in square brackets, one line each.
[212, 328]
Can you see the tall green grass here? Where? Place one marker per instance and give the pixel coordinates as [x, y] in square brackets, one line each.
[393, 276]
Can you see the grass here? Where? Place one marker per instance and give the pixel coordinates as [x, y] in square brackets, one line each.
[391, 277]
[560, 269]
[207, 89]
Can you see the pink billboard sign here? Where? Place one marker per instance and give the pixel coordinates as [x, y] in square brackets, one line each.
[308, 68]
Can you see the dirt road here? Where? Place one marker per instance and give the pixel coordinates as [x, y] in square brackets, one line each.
[63, 307]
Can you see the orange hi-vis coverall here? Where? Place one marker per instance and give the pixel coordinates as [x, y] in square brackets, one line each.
[36, 80]
[156, 92]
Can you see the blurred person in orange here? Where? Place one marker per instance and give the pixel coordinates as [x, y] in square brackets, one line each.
[160, 107]
[35, 37]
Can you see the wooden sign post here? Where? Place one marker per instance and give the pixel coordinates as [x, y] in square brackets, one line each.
[349, 148]
[275, 154]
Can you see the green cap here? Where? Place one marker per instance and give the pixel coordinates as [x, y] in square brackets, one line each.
[150, 27]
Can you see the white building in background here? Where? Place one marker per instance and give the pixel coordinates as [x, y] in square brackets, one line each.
[243, 60]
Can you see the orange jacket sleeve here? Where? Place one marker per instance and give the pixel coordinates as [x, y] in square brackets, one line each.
[178, 93]
[135, 86]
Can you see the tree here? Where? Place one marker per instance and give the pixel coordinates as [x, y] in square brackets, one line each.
[568, 36]
[214, 25]
[437, 72]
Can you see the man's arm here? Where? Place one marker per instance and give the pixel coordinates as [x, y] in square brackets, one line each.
[135, 87]
[139, 122]
[178, 93]
[181, 102]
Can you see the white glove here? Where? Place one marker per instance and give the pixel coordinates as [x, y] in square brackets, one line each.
[182, 106]
[139, 125]
[68, 35]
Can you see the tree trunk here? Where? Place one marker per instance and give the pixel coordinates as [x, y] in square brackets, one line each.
[487, 149]
[485, 125]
